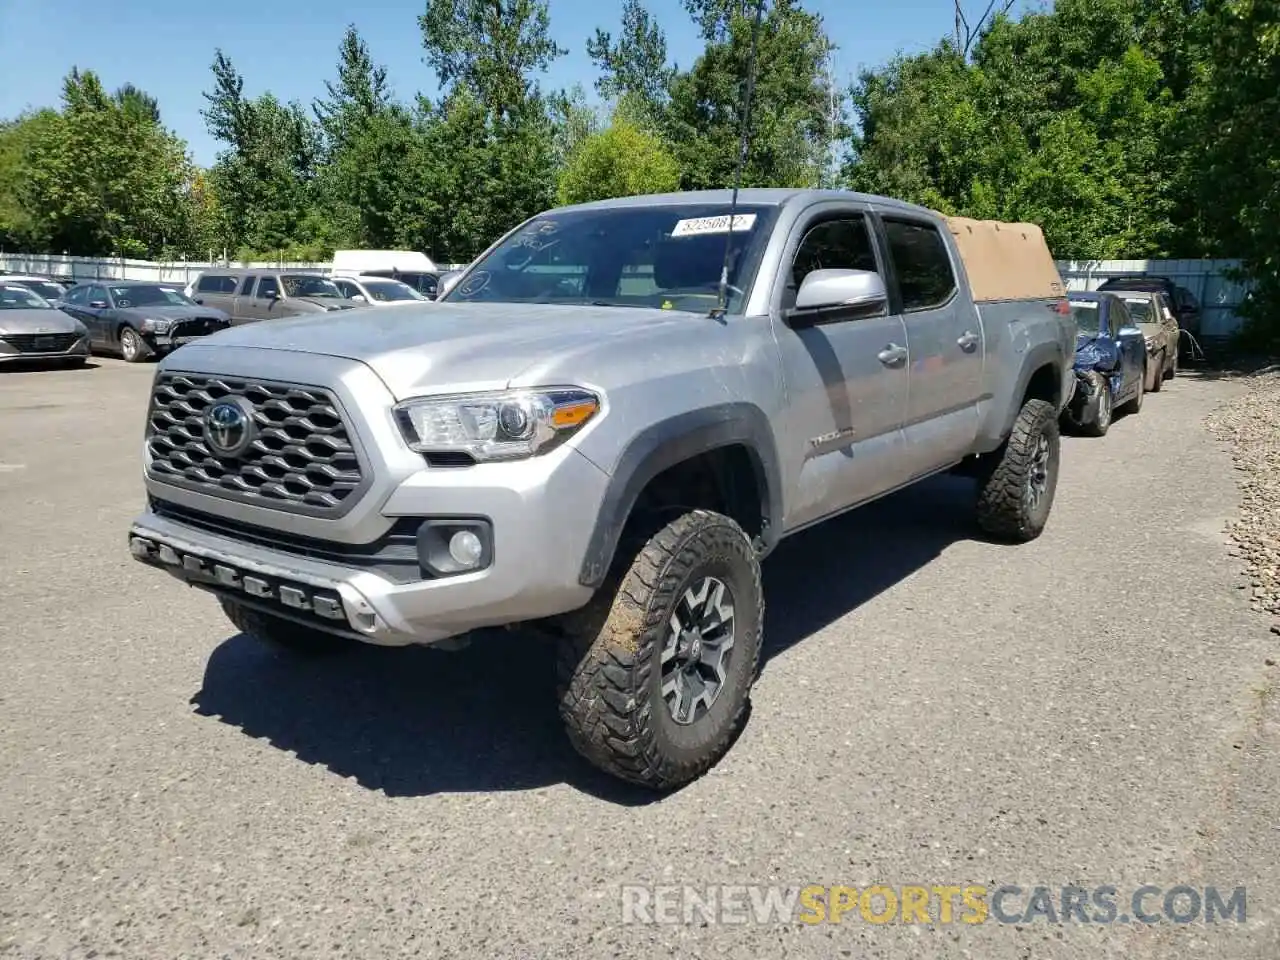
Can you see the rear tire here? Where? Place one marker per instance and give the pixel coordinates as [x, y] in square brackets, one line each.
[279, 632]
[1016, 495]
[642, 700]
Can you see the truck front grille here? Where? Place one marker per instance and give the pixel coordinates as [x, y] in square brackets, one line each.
[301, 459]
[41, 342]
[197, 327]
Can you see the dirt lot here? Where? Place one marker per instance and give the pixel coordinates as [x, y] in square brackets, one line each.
[1095, 708]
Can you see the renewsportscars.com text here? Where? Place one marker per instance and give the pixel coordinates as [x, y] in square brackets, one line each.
[930, 904]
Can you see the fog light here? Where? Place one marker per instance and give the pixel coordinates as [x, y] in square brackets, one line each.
[465, 548]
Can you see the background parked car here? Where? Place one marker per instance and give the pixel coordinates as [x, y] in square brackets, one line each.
[139, 319]
[1155, 318]
[31, 328]
[1185, 306]
[1110, 365]
[42, 286]
[378, 291]
[408, 266]
[251, 295]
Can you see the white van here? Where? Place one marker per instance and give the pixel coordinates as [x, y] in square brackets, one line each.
[408, 266]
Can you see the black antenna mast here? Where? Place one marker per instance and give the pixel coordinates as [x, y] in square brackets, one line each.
[744, 145]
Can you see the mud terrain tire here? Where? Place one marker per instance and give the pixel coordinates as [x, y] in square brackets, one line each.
[1016, 494]
[618, 653]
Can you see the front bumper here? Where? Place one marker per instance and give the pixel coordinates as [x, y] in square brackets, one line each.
[35, 349]
[538, 542]
[1083, 406]
[163, 343]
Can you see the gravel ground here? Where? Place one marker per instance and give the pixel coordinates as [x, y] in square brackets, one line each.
[1251, 424]
[1097, 707]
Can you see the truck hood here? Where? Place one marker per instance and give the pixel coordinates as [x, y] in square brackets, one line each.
[457, 346]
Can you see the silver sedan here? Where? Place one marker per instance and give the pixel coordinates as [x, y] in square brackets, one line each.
[31, 328]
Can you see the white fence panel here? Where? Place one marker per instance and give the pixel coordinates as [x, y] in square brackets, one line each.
[1220, 298]
[116, 268]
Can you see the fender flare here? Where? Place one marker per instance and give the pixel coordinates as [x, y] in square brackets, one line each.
[1041, 355]
[668, 442]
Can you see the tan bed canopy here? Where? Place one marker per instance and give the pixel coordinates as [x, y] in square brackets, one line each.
[1006, 261]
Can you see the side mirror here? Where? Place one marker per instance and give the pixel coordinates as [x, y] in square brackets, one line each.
[857, 291]
[358, 297]
[98, 304]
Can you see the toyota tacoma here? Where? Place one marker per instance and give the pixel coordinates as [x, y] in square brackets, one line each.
[601, 430]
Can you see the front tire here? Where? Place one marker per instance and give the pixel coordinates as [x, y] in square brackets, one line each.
[1016, 496]
[655, 674]
[1101, 421]
[279, 632]
[1157, 382]
[132, 347]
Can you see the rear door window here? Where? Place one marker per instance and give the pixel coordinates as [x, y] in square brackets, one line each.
[921, 263]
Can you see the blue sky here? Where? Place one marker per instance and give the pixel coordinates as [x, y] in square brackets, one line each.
[290, 48]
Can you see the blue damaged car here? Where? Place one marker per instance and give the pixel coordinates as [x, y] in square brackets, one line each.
[1110, 365]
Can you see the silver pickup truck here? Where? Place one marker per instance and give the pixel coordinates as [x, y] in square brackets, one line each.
[600, 432]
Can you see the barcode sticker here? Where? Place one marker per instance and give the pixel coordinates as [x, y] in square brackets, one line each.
[700, 226]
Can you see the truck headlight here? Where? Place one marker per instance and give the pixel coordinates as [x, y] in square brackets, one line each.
[153, 325]
[507, 425]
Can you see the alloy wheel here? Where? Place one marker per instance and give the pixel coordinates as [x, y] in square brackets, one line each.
[696, 654]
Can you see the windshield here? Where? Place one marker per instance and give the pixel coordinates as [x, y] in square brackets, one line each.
[14, 297]
[143, 295]
[46, 289]
[668, 257]
[384, 290]
[422, 282]
[1086, 315]
[1140, 310]
[305, 286]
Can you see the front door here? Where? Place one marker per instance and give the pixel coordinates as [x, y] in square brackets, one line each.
[945, 338]
[845, 377]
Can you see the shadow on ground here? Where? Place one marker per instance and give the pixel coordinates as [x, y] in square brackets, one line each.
[13, 367]
[414, 722]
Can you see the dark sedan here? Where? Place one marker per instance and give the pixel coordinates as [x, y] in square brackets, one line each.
[1110, 364]
[138, 319]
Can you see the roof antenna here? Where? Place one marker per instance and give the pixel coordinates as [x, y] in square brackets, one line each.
[722, 303]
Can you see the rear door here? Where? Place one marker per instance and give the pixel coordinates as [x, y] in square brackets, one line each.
[76, 302]
[216, 290]
[944, 337]
[246, 308]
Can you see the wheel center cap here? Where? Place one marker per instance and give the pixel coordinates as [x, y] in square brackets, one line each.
[692, 646]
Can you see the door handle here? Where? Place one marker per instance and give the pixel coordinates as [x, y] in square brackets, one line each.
[893, 355]
[968, 342]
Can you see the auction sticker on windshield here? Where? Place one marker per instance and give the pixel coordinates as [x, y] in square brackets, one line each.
[699, 226]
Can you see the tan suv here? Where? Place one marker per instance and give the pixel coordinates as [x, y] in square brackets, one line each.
[249, 295]
[1159, 325]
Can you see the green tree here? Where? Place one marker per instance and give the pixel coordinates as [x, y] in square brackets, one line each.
[635, 64]
[369, 148]
[791, 113]
[619, 161]
[1237, 108]
[495, 49]
[102, 176]
[265, 179]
